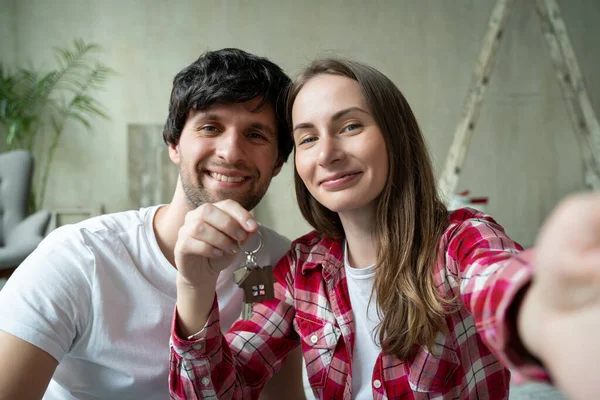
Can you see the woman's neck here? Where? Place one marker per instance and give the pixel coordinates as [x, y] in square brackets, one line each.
[359, 230]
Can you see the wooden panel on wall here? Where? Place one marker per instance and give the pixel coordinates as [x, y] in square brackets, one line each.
[151, 174]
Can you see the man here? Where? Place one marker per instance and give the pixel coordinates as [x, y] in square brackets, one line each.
[87, 315]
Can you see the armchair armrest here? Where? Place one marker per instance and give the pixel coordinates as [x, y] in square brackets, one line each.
[22, 240]
[34, 226]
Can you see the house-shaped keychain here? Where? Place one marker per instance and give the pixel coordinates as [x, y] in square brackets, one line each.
[257, 283]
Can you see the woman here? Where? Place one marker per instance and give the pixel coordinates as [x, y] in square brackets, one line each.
[391, 296]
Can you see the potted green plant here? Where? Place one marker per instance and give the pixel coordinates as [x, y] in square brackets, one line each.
[34, 103]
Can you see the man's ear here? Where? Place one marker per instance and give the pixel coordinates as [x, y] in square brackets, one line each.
[174, 153]
[278, 166]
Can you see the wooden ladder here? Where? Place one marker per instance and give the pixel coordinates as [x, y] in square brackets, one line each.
[584, 121]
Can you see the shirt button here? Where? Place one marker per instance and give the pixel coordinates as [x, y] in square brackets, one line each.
[205, 381]
[314, 339]
[377, 383]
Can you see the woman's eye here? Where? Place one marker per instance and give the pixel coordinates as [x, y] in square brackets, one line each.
[308, 140]
[352, 127]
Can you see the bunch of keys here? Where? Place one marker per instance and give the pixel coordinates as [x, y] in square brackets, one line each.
[256, 282]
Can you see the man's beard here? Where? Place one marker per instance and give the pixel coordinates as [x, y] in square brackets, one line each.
[197, 194]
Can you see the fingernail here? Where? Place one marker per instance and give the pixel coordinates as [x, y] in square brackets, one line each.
[251, 224]
[240, 234]
[217, 253]
[233, 249]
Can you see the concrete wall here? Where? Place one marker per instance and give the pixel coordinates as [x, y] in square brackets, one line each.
[8, 39]
[524, 154]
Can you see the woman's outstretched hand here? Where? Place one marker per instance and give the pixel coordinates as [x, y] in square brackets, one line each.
[559, 320]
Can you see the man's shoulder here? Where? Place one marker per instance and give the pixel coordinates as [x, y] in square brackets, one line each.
[102, 226]
[275, 245]
[116, 222]
[272, 236]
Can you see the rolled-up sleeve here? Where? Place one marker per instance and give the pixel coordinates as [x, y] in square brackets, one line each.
[492, 270]
[237, 365]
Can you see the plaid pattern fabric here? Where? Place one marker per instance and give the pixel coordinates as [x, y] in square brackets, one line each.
[476, 261]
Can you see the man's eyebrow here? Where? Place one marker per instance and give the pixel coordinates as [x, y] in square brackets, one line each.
[211, 116]
[338, 115]
[263, 127]
[201, 116]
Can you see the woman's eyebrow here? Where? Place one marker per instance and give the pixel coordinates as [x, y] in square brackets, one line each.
[345, 111]
[338, 115]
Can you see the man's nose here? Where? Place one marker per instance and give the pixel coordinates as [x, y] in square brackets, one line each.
[231, 147]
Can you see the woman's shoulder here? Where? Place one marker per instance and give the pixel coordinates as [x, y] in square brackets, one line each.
[465, 219]
[314, 245]
[469, 228]
[461, 215]
[309, 239]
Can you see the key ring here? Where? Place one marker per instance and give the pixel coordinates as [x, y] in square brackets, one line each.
[250, 255]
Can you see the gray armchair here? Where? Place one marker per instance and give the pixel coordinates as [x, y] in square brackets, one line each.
[19, 234]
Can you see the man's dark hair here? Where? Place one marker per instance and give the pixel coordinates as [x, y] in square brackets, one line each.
[228, 76]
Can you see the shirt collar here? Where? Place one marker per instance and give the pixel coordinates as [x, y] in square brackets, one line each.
[328, 253]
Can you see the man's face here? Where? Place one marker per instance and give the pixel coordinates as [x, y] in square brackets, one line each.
[228, 152]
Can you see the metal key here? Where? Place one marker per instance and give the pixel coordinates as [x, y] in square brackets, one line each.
[256, 282]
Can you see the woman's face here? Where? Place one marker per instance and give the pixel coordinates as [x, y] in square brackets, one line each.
[340, 152]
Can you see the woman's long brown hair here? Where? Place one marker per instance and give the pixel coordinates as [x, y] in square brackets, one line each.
[410, 219]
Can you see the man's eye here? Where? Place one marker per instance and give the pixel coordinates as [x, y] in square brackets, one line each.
[208, 128]
[256, 135]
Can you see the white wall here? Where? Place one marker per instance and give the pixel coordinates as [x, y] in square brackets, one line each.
[8, 40]
[524, 154]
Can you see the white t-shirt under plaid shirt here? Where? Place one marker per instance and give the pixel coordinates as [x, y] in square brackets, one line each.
[366, 348]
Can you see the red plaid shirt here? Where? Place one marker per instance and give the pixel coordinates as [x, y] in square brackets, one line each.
[312, 307]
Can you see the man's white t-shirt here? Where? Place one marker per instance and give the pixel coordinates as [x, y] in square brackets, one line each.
[99, 297]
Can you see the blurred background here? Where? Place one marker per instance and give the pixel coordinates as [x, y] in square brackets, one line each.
[524, 155]
[106, 153]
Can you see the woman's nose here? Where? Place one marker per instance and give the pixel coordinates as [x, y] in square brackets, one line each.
[330, 151]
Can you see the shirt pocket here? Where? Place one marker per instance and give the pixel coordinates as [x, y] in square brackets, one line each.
[433, 371]
[319, 340]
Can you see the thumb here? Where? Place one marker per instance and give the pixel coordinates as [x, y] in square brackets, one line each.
[218, 264]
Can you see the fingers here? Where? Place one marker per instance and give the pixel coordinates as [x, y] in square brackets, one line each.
[209, 238]
[240, 214]
[568, 253]
[572, 229]
[575, 221]
[227, 217]
[213, 230]
[204, 240]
